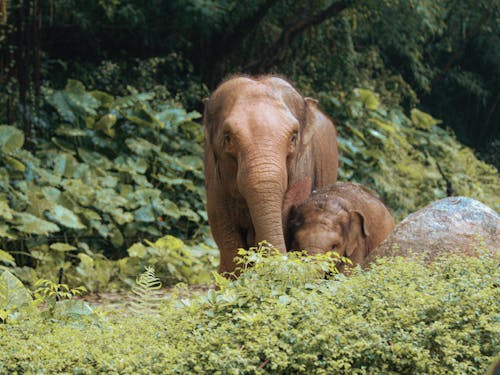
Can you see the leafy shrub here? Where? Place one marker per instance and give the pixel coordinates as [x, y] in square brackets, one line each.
[110, 172]
[172, 259]
[398, 317]
[408, 160]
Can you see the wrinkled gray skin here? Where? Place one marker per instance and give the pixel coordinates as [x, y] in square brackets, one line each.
[261, 138]
[345, 217]
[453, 225]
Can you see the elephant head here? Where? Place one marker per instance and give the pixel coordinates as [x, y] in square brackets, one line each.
[344, 217]
[331, 225]
[261, 137]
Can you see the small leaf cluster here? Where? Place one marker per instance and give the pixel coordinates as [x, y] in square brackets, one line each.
[401, 316]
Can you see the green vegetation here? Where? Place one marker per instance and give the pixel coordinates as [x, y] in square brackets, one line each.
[399, 317]
[117, 171]
[101, 180]
[406, 157]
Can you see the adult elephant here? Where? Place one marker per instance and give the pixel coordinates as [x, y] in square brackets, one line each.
[262, 138]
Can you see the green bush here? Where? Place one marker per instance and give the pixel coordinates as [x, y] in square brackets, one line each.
[406, 158]
[109, 172]
[399, 317]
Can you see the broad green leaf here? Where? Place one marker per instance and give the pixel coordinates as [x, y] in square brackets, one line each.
[190, 214]
[73, 103]
[122, 217]
[75, 308]
[14, 163]
[145, 196]
[104, 99]
[108, 200]
[141, 180]
[11, 139]
[108, 181]
[130, 100]
[171, 117]
[51, 194]
[169, 242]
[28, 223]
[61, 246]
[86, 194]
[4, 232]
[168, 208]
[145, 214]
[368, 98]
[138, 164]
[90, 214]
[191, 163]
[13, 294]
[143, 115]
[63, 145]
[137, 250]
[5, 257]
[65, 164]
[141, 146]
[116, 236]
[71, 131]
[5, 211]
[86, 261]
[95, 159]
[188, 184]
[377, 134]
[66, 217]
[105, 124]
[423, 120]
[101, 228]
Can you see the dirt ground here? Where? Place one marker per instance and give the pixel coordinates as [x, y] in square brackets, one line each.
[119, 300]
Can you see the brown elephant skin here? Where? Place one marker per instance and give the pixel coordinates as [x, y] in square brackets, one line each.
[261, 138]
[346, 218]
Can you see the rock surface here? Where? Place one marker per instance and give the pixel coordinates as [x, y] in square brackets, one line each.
[456, 225]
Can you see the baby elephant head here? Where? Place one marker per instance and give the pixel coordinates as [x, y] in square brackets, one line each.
[321, 225]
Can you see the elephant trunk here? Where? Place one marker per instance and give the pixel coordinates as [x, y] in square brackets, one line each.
[314, 250]
[263, 183]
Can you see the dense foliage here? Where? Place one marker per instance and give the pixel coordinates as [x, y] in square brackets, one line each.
[405, 157]
[111, 172]
[399, 317]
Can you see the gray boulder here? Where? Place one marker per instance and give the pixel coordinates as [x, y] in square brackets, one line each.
[454, 225]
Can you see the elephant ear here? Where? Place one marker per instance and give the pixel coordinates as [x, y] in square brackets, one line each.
[357, 237]
[313, 116]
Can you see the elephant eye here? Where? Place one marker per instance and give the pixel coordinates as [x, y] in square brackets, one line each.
[294, 137]
[227, 138]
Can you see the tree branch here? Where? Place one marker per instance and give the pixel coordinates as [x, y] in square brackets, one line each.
[275, 52]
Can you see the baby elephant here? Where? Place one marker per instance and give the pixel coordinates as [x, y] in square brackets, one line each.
[344, 217]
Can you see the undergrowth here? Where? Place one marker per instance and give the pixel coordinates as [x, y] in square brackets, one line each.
[399, 317]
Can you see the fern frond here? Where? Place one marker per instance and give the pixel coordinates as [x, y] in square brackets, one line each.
[145, 298]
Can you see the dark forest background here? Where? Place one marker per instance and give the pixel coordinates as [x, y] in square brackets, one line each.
[443, 55]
